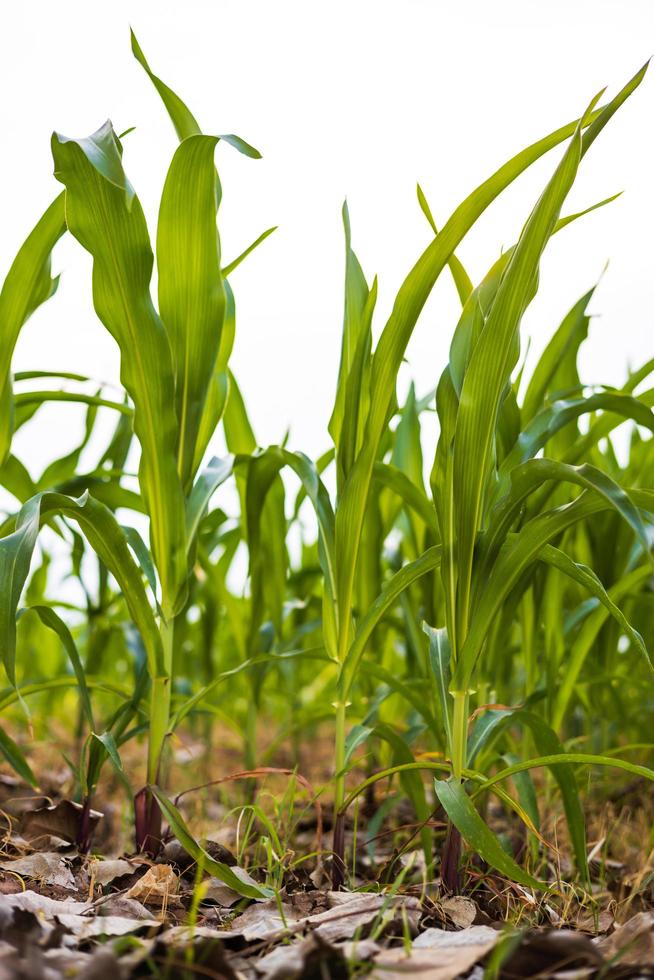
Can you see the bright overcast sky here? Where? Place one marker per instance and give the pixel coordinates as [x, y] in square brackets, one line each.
[356, 98]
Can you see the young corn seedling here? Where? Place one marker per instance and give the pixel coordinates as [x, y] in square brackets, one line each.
[173, 367]
[491, 491]
[485, 467]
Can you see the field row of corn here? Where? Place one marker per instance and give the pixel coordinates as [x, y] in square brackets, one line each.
[468, 621]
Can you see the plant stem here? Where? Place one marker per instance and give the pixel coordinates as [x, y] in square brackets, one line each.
[459, 733]
[160, 704]
[338, 844]
[250, 733]
[339, 755]
[458, 751]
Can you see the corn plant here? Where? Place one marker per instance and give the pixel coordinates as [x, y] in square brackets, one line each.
[173, 367]
[480, 435]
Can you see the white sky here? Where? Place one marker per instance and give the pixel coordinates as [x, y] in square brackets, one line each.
[358, 98]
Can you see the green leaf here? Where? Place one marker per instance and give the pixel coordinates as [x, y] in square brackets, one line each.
[16, 759]
[142, 555]
[28, 284]
[234, 264]
[216, 472]
[412, 783]
[263, 467]
[238, 431]
[476, 834]
[15, 478]
[567, 758]
[461, 278]
[65, 467]
[530, 477]
[489, 727]
[564, 344]
[439, 658]
[414, 498]
[107, 539]
[563, 411]
[412, 692]
[264, 505]
[392, 345]
[29, 398]
[241, 145]
[587, 637]
[107, 740]
[191, 291]
[488, 372]
[53, 622]
[221, 384]
[519, 551]
[102, 746]
[355, 353]
[244, 886]
[395, 586]
[182, 118]
[113, 229]
[356, 736]
[586, 577]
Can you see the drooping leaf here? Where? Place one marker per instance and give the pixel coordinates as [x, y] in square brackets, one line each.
[488, 729]
[107, 539]
[16, 759]
[52, 621]
[28, 284]
[462, 813]
[242, 884]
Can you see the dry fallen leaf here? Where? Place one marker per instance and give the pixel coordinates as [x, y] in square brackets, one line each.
[119, 905]
[263, 921]
[48, 867]
[60, 820]
[631, 944]
[156, 887]
[554, 952]
[342, 921]
[307, 958]
[595, 924]
[74, 916]
[436, 955]
[459, 910]
[173, 853]
[353, 911]
[218, 893]
[96, 965]
[104, 872]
